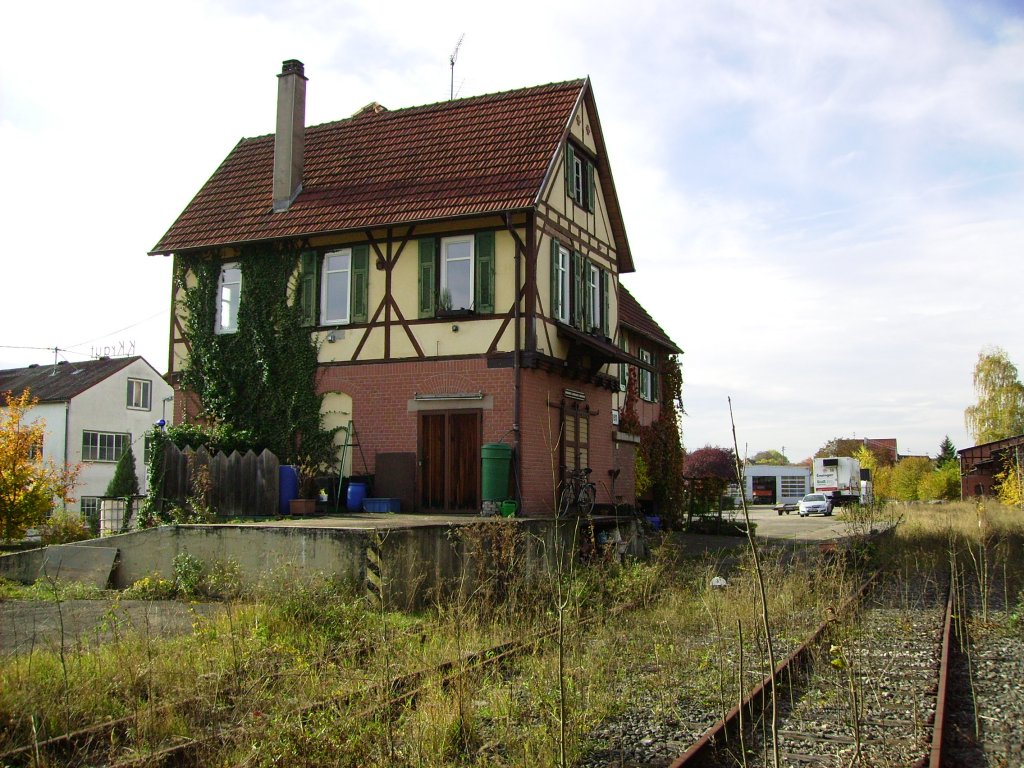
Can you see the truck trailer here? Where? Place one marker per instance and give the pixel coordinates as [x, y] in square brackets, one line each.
[838, 477]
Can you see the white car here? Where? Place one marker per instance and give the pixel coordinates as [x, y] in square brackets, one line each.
[815, 503]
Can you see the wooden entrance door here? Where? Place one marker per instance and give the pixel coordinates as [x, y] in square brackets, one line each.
[450, 461]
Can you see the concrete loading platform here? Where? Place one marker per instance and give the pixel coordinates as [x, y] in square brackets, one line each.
[411, 557]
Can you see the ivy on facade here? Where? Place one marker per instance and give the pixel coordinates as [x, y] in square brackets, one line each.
[261, 379]
[661, 445]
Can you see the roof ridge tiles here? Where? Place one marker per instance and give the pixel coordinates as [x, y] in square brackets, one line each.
[390, 114]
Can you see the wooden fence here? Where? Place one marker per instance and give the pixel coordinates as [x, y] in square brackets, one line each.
[236, 485]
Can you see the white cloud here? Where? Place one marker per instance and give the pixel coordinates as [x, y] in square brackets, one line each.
[823, 200]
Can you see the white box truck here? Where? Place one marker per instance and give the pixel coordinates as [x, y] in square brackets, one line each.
[839, 478]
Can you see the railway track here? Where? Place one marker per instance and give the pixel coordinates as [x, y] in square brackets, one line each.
[868, 690]
[853, 693]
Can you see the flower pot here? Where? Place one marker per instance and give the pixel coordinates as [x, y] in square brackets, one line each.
[302, 506]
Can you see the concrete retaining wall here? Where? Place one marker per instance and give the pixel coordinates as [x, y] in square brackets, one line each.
[418, 563]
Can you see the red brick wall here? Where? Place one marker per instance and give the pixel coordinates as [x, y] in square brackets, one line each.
[381, 393]
[540, 435]
[380, 403]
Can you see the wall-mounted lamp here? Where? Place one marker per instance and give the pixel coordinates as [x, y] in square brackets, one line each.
[455, 329]
[330, 338]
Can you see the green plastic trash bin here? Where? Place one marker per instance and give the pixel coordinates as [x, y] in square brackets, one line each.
[496, 459]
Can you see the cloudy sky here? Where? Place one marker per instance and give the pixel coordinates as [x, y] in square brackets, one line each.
[825, 200]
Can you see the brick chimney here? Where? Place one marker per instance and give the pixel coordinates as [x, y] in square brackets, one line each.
[290, 138]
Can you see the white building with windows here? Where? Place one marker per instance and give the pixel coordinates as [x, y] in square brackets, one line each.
[774, 483]
[93, 411]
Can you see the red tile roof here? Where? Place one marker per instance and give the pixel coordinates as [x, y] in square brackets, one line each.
[635, 317]
[468, 156]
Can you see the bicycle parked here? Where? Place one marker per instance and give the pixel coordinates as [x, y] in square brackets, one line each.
[577, 494]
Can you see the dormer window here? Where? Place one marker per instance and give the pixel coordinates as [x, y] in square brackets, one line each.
[579, 177]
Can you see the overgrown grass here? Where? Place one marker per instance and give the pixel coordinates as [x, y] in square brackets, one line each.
[51, 591]
[651, 636]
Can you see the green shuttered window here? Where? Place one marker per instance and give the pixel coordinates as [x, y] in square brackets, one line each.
[340, 281]
[457, 273]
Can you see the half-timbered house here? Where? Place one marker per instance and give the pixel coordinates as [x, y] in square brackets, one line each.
[460, 267]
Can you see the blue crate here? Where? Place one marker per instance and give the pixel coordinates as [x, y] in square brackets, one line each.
[382, 505]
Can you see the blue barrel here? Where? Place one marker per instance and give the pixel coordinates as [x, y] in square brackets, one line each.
[287, 487]
[356, 494]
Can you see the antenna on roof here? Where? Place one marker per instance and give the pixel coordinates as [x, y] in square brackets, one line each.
[451, 62]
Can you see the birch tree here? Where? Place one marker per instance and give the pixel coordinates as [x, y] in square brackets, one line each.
[999, 411]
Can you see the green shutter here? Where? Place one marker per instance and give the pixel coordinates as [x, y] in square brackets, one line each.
[604, 301]
[427, 270]
[588, 189]
[556, 305]
[588, 305]
[579, 286]
[570, 188]
[307, 287]
[360, 282]
[483, 252]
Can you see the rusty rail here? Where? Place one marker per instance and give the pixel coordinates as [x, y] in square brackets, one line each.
[934, 757]
[703, 752]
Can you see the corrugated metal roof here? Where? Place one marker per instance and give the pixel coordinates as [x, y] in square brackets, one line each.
[455, 158]
[63, 381]
[636, 318]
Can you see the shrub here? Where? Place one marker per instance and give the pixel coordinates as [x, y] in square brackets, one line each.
[152, 587]
[64, 527]
[188, 574]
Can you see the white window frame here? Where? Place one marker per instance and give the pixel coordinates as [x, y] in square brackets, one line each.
[594, 295]
[562, 269]
[579, 179]
[89, 506]
[104, 447]
[646, 391]
[140, 394]
[229, 295]
[337, 266]
[446, 243]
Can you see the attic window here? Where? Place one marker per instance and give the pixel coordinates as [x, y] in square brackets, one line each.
[579, 177]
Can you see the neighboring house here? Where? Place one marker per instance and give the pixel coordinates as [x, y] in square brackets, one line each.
[460, 265]
[93, 411]
[980, 464]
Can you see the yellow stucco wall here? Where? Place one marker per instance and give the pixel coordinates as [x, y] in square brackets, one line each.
[474, 335]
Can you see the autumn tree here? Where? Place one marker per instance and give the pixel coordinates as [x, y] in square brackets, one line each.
[29, 485]
[769, 457]
[1010, 483]
[999, 411]
[839, 446]
[908, 476]
[708, 472]
[943, 482]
